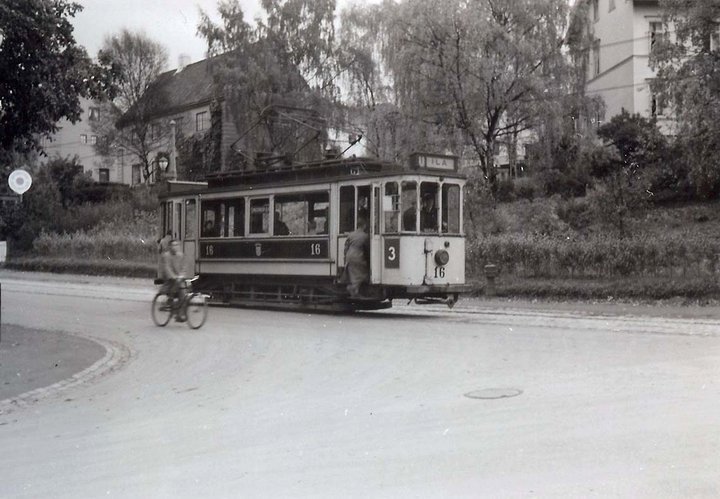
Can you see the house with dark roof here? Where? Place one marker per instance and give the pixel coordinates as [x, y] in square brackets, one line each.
[185, 96]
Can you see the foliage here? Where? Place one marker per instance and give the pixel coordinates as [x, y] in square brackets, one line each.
[106, 240]
[105, 267]
[688, 81]
[276, 78]
[488, 69]
[63, 200]
[596, 255]
[197, 154]
[634, 148]
[66, 174]
[44, 72]
[125, 122]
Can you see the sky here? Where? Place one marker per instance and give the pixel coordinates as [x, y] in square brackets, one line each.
[172, 23]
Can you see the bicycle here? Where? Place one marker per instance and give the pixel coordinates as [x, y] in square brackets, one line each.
[193, 307]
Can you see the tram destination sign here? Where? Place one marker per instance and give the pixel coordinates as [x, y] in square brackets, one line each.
[427, 161]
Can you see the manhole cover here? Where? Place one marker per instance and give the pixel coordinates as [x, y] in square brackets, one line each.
[494, 393]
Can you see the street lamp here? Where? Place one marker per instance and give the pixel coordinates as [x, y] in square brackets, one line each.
[163, 163]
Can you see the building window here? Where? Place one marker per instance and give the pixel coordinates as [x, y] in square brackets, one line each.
[93, 139]
[596, 58]
[596, 10]
[611, 5]
[136, 177]
[83, 138]
[656, 34]
[179, 125]
[104, 175]
[201, 121]
[94, 113]
[657, 106]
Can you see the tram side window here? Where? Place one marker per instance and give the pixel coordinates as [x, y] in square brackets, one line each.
[234, 218]
[190, 219]
[347, 209]
[451, 208]
[428, 207]
[409, 206]
[301, 214]
[167, 218]
[211, 219]
[260, 216]
[391, 207]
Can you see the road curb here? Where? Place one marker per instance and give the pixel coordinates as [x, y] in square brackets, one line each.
[116, 356]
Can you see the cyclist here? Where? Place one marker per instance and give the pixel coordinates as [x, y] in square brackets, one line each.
[171, 271]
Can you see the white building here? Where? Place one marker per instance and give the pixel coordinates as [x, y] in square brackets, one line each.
[623, 33]
[79, 139]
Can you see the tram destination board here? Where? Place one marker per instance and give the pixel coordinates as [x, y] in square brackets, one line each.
[304, 249]
[427, 161]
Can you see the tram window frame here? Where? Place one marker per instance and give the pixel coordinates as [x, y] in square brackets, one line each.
[264, 219]
[347, 209]
[167, 217]
[391, 208]
[190, 219]
[410, 210]
[230, 215]
[429, 190]
[214, 207]
[446, 224]
[301, 213]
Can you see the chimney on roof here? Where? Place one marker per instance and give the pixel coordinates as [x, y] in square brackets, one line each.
[183, 60]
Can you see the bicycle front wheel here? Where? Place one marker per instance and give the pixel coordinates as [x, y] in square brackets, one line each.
[197, 310]
[161, 309]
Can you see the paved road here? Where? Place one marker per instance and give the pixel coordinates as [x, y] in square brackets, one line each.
[268, 404]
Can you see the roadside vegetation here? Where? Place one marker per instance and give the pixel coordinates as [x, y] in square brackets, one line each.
[68, 223]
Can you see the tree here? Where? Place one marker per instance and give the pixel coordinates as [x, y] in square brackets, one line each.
[43, 71]
[126, 121]
[487, 68]
[688, 81]
[634, 146]
[268, 73]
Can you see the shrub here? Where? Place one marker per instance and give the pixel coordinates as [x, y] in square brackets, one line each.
[596, 255]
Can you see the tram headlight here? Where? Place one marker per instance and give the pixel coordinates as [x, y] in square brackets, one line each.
[442, 257]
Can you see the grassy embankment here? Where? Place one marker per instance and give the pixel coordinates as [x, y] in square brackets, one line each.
[666, 252]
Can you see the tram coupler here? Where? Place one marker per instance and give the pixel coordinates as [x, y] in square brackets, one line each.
[449, 301]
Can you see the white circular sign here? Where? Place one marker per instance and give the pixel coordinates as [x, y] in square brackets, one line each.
[20, 181]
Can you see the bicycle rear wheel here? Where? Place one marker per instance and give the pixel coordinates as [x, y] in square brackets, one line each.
[197, 310]
[161, 309]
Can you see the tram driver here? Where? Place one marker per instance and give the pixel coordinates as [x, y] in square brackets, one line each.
[428, 214]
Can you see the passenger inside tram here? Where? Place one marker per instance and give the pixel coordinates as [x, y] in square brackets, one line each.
[428, 214]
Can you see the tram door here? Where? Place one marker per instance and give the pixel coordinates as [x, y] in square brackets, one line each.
[181, 220]
[375, 239]
[358, 201]
[190, 235]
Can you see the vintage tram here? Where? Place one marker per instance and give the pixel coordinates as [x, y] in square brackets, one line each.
[275, 237]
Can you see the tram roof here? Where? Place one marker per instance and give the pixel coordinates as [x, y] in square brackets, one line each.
[329, 170]
[320, 171]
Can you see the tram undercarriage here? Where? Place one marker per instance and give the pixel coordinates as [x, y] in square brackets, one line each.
[307, 293]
